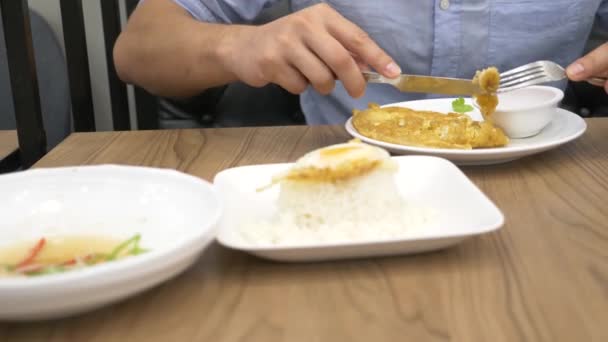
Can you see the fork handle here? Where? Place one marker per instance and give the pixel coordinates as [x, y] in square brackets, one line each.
[597, 81]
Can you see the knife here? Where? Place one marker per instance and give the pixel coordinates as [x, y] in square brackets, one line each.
[426, 84]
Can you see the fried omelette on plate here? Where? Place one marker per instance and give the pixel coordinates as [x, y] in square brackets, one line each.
[406, 126]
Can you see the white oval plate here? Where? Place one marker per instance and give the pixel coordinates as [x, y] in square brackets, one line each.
[175, 214]
[565, 127]
[460, 209]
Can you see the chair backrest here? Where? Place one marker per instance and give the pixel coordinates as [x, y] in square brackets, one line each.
[24, 80]
[74, 35]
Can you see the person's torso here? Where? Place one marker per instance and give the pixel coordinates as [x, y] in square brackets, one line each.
[454, 38]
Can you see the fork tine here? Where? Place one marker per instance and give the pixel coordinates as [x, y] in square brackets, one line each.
[521, 68]
[530, 74]
[529, 80]
[526, 78]
[535, 70]
[524, 84]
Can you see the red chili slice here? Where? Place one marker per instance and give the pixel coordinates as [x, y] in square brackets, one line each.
[33, 253]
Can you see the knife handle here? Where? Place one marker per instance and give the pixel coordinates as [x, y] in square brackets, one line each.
[374, 77]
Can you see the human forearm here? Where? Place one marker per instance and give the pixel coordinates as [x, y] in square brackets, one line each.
[169, 53]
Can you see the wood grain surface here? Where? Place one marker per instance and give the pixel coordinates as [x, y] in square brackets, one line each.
[543, 277]
[8, 143]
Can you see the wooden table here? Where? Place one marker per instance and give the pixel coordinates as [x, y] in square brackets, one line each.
[543, 277]
[8, 150]
[8, 143]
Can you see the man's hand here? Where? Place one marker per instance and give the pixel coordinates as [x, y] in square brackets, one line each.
[594, 64]
[315, 46]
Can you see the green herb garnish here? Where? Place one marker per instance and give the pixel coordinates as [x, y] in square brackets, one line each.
[459, 106]
[134, 241]
[53, 269]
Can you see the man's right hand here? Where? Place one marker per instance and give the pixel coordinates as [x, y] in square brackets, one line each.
[315, 46]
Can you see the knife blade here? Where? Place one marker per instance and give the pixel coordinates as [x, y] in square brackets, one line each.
[427, 84]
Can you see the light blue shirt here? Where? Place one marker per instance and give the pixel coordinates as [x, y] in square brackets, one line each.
[451, 38]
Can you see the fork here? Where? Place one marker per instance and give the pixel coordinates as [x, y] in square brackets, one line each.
[536, 73]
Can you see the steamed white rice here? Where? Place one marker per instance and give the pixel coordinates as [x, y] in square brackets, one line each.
[366, 208]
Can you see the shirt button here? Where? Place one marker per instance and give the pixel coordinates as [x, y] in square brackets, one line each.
[444, 4]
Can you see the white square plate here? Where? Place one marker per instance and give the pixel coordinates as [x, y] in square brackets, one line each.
[460, 209]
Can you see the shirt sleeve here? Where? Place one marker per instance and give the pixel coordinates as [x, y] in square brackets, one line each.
[225, 11]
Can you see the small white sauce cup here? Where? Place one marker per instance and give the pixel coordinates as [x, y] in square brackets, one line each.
[525, 112]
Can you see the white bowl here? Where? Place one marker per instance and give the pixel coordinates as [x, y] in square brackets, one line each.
[175, 213]
[525, 112]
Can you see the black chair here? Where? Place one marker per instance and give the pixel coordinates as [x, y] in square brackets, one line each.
[53, 82]
[24, 78]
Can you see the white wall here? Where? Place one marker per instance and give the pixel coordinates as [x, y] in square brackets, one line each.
[50, 10]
